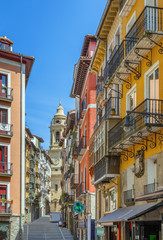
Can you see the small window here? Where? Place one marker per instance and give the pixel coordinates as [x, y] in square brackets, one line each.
[57, 136]
[56, 187]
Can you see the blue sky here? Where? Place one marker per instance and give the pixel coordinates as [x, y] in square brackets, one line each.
[53, 32]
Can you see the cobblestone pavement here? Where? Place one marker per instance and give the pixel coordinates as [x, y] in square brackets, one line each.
[42, 229]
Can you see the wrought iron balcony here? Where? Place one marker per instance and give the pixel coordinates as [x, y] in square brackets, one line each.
[6, 169]
[144, 120]
[139, 41]
[129, 196]
[70, 199]
[106, 169]
[5, 207]
[150, 188]
[6, 94]
[82, 146]
[112, 109]
[80, 190]
[6, 130]
[32, 179]
[32, 158]
[74, 181]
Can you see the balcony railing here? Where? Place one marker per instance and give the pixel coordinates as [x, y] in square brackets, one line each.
[138, 119]
[6, 93]
[112, 108]
[129, 196]
[82, 145]
[115, 60]
[70, 199]
[74, 181]
[6, 169]
[32, 180]
[6, 129]
[150, 188]
[5, 207]
[149, 21]
[107, 168]
[80, 189]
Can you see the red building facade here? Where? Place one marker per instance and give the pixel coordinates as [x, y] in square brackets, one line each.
[84, 92]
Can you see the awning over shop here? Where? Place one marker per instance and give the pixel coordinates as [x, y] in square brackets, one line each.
[128, 213]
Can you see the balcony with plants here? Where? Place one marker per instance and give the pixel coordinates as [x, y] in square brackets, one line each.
[112, 110]
[67, 198]
[137, 45]
[5, 207]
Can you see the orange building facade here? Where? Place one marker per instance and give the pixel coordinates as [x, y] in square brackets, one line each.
[14, 73]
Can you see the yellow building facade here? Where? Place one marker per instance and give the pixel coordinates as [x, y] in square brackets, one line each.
[128, 65]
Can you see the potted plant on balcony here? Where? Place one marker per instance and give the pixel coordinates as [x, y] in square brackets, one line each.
[4, 87]
[3, 200]
[113, 111]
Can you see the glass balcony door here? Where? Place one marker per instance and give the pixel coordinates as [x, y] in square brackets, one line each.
[153, 93]
[3, 85]
[3, 159]
[3, 195]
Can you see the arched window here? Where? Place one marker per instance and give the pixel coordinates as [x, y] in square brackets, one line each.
[57, 136]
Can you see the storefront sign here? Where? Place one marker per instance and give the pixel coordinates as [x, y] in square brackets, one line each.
[78, 207]
[100, 231]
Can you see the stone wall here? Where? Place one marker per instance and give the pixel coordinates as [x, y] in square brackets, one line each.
[15, 225]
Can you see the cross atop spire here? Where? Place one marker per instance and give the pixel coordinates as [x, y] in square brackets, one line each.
[59, 102]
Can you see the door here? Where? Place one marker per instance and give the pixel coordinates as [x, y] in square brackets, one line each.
[4, 159]
[3, 85]
[3, 120]
[3, 195]
[153, 94]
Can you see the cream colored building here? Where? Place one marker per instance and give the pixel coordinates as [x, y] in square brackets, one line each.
[58, 124]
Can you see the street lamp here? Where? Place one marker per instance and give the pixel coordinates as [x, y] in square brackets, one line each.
[127, 124]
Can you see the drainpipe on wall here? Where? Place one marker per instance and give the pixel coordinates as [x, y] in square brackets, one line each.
[21, 174]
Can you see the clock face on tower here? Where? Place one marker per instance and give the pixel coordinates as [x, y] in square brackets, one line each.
[56, 161]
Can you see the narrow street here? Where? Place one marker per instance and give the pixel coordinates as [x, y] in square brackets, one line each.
[42, 229]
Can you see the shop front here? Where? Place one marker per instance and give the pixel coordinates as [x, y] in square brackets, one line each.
[140, 222]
